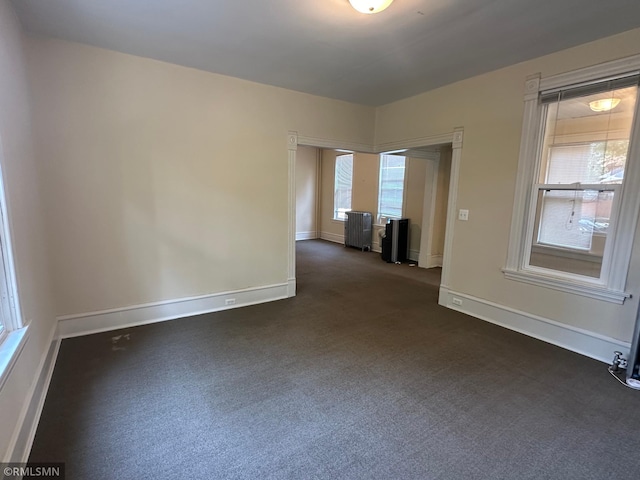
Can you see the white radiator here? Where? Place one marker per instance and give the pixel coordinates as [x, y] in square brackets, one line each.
[357, 230]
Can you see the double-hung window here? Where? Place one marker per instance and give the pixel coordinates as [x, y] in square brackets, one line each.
[391, 191]
[5, 310]
[12, 332]
[343, 186]
[8, 321]
[577, 199]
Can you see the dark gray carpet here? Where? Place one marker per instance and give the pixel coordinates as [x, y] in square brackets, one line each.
[362, 375]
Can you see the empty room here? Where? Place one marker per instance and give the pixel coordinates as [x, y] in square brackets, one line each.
[320, 239]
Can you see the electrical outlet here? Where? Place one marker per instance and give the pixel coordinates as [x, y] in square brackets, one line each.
[456, 301]
[230, 301]
[463, 215]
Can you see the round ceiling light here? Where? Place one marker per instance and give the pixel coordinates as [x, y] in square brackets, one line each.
[370, 6]
[604, 105]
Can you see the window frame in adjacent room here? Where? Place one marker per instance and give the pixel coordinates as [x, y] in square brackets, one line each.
[342, 186]
[387, 211]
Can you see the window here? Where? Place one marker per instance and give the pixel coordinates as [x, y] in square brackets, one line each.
[3, 315]
[6, 315]
[12, 332]
[391, 192]
[573, 220]
[343, 183]
[7, 318]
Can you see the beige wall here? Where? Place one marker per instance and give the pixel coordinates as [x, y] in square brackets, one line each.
[442, 198]
[166, 182]
[329, 228]
[22, 189]
[415, 177]
[490, 108]
[306, 191]
[366, 169]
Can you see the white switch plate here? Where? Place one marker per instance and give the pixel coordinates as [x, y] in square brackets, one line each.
[463, 215]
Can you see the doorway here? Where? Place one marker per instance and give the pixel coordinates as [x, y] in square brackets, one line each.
[442, 154]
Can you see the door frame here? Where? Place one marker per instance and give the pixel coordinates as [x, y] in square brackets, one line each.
[455, 138]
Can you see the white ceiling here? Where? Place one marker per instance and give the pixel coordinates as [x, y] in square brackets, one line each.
[324, 47]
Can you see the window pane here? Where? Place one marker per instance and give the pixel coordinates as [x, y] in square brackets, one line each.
[571, 230]
[343, 186]
[391, 191]
[585, 145]
[5, 308]
[585, 142]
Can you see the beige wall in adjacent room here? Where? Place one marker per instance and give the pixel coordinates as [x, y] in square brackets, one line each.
[166, 182]
[442, 199]
[415, 170]
[29, 238]
[364, 194]
[366, 169]
[490, 109]
[307, 163]
[330, 229]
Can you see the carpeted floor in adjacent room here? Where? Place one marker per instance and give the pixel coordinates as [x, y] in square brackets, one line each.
[360, 376]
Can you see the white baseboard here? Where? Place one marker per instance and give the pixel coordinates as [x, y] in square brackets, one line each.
[25, 433]
[434, 261]
[306, 235]
[584, 342]
[332, 237]
[102, 321]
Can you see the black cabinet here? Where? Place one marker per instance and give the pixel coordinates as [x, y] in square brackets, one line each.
[395, 243]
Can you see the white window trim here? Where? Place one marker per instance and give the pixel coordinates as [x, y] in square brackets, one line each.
[612, 287]
[10, 305]
[15, 334]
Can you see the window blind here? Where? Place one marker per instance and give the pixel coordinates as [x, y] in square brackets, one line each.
[590, 88]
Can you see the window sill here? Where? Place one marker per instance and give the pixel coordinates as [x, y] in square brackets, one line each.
[585, 256]
[338, 220]
[585, 289]
[10, 350]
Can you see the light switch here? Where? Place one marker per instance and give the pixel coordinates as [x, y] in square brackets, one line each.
[463, 215]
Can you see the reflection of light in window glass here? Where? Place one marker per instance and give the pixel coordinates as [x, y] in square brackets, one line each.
[584, 146]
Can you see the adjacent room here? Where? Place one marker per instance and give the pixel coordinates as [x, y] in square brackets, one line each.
[412, 184]
[180, 295]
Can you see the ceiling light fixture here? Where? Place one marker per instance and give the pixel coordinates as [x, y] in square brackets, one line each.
[604, 105]
[370, 6]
